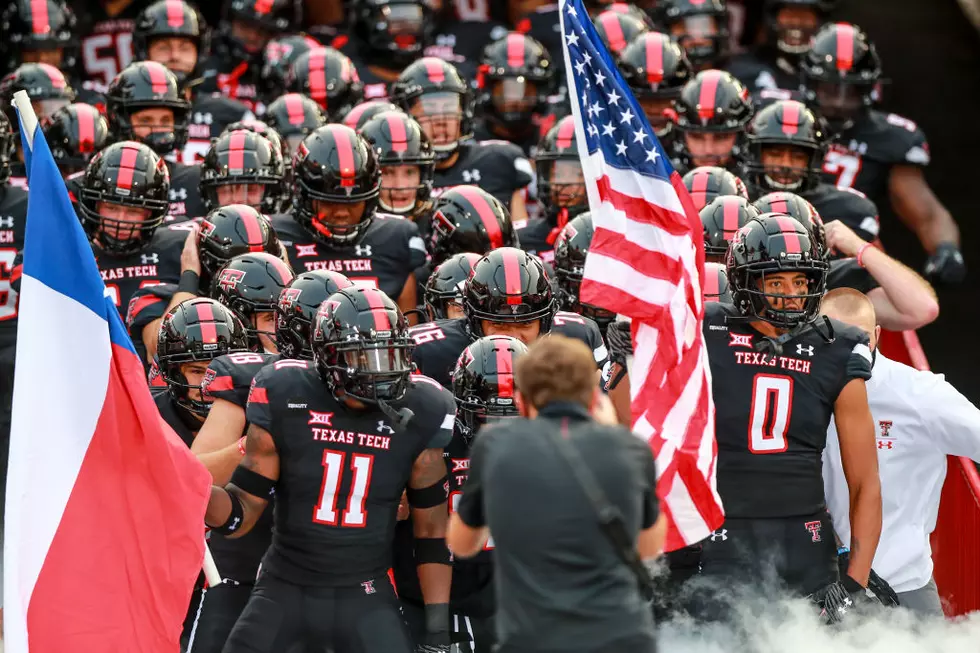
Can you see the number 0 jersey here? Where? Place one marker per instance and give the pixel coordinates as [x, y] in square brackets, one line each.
[341, 472]
[772, 411]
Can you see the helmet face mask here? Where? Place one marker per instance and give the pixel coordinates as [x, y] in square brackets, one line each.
[839, 73]
[515, 78]
[395, 31]
[242, 167]
[407, 162]
[144, 103]
[173, 34]
[441, 116]
[434, 93]
[785, 151]
[564, 183]
[794, 25]
[509, 287]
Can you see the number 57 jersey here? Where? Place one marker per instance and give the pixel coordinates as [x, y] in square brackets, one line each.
[341, 471]
[772, 411]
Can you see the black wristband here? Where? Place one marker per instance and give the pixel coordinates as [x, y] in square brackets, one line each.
[429, 497]
[190, 282]
[235, 517]
[851, 585]
[255, 484]
[437, 617]
[432, 551]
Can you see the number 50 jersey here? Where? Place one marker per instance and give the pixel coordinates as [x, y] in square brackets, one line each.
[772, 411]
[341, 472]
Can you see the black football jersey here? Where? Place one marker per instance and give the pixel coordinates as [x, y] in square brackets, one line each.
[762, 75]
[13, 221]
[18, 175]
[528, 141]
[236, 80]
[772, 411]
[158, 262]
[185, 194]
[862, 157]
[461, 43]
[375, 86]
[145, 306]
[106, 41]
[183, 424]
[846, 273]
[537, 236]
[210, 114]
[438, 344]
[341, 472]
[388, 251]
[229, 377]
[849, 206]
[498, 167]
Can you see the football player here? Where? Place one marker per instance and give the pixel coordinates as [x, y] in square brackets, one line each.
[368, 432]
[243, 167]
[435, 94]
[328, 78]
[701, 28]
[880, 154]
[716, 287]
[75, 134]
[360, 114]
[295, 117]
[721, 218]
[508, 293]
[656, 69]
[278, 55]
[777, 366]
[708, 182]
[29, 38]
[571, 249]
[407, 163]
[144, 103]
[105, 30]
[220, 446]
[617, 28]
[249, 284]
[334, 224]
[712, 112]
[173, 33]
[443, 295]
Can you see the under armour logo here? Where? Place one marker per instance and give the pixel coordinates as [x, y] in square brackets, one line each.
[469, 176]
[800, 350]
[384, 428]
[368, 586]
[720, 535]
[740, 340]
[362, 250]
[150, 258]
[7, 222]
[203, 118]
[178, 194]
[885, 426]
[814, 528]
[885, 444]
[321, 418]
[305, 250]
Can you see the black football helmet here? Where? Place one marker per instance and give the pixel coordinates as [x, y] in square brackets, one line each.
[196, 331]
[45, 85]
[277, 56]
[230, 231]
[483, 384]
[433, 92]
[128, 174]
[508, 285]
[241, 159]
[571, 248]
[249, 284]
[514, 80]
[270, 17]
[716, 283]
[445, 284]
[656, 69]
[561, 186]
[795, 207]
[792, 38]
[8, 147]
[618, 28]
[327, 77]
[785, 125]
[398, 140]
[361, 346]
[335, 165]
[169, 19]
[701, 28]
[717, 103]
[468, 219]
[366, 110]
[298, 306]
[395, 32]
[708, 182]
[840, 74]
[38, 26]
[74, 134]
[768, 244]
[147, 85]
[262, 129]
[721, 219]
[294, 116]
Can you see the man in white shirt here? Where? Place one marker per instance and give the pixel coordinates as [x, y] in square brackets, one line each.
[920, 419]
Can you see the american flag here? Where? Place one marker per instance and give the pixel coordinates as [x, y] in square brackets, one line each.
[646, 262]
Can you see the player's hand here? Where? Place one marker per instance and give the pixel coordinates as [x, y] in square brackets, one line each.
[190, 260]
[842, 240]
[434, 643]
[878, 585]
[603, 410]
[946, 265]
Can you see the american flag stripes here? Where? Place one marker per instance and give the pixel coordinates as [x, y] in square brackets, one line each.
[646, 261]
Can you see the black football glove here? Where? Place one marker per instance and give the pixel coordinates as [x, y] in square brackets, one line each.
[842, 598]
[878, 585]
[946, 265]
[437, 638]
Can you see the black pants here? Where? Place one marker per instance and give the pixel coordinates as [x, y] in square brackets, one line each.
[363, 618]
[472, 634]
[216, 614]
[636, 644]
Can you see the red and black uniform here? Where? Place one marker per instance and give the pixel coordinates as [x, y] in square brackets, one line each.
[157, 263]
[106, 42]
[496, 166]
[13, 221]
[209, 116]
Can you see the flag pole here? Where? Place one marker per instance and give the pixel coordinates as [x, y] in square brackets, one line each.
[29, 119]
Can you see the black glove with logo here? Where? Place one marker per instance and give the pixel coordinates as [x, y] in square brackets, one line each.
[437, 638]
[839, 599]
[878, 585]
[946, 265]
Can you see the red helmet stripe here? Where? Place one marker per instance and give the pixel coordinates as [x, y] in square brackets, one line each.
[158, 77]
[86, 131]
[788, 227]
[253, 231]
[485, 213]
[345, 155]
[655, 60]
[127, 168]
[515, 50]
[699, 189]
[399, 135]
[294, 108]
[711, 283]
[236, 152]
[56, 76]
[729, 216]
[205, 319]
[791, 118]
[780, 206]
[263, 6]
[505, 368]
[434, 70]
[614, 31]
[566, 132]
[354, 115]
[285, 274]
[175, 13]
[512, 277]
[709, 91]
[378, 310]
[40, 21]
[845, 46]
[318, 77]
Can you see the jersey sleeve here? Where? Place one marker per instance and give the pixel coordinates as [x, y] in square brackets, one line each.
[229, 377]
[258, 410]
[436, 412]
[146, 305]
[417, 254]
[859, 360]
[909, 142]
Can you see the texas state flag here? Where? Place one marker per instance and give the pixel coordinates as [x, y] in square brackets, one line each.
[105, 505]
